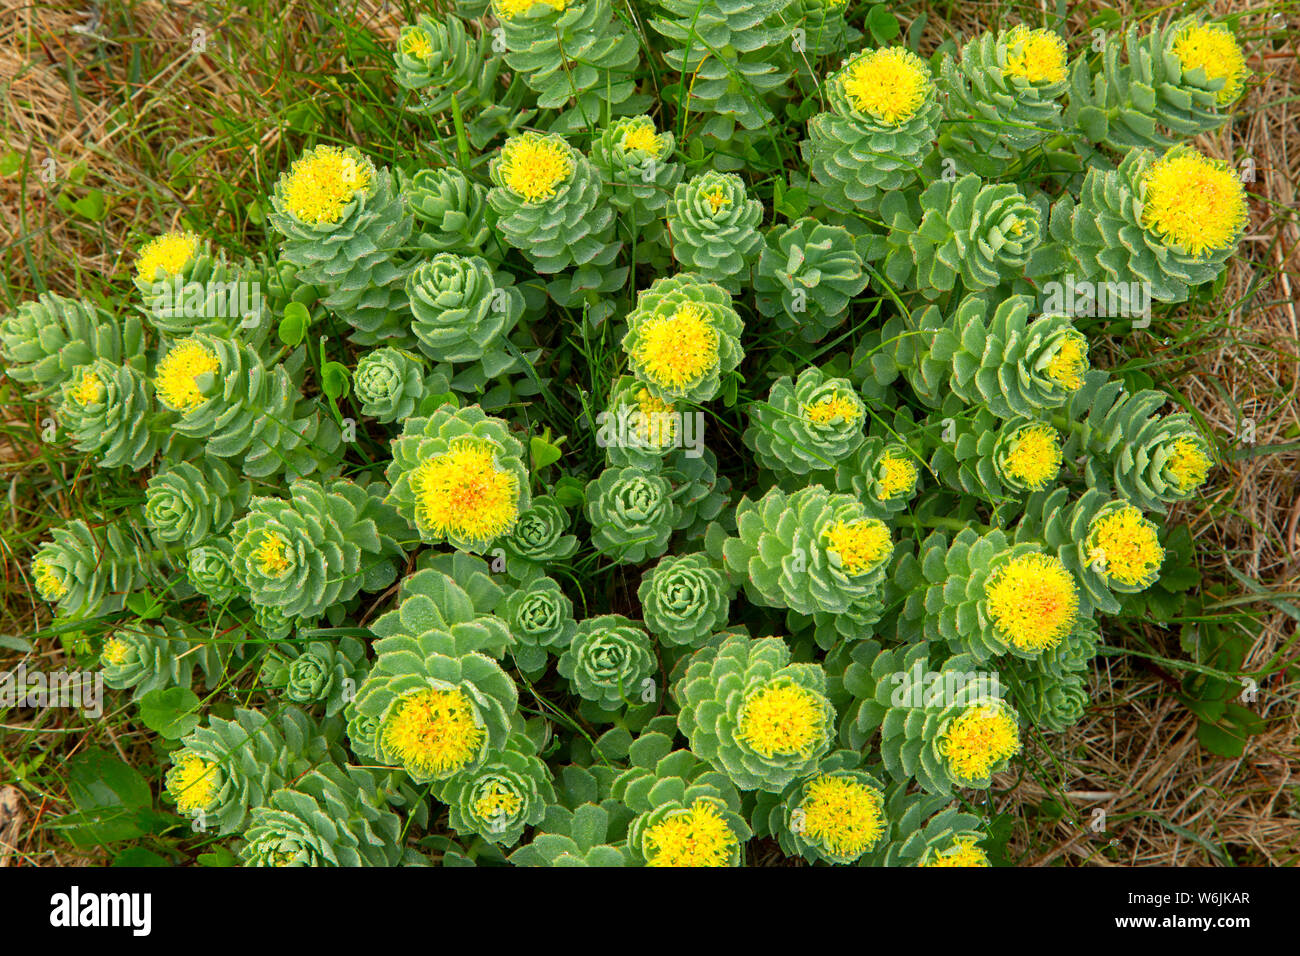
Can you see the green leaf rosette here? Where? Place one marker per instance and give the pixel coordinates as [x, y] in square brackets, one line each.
[751, 713]
[713, 225]
[609, 661]
[807, 274]
[684, 599]
[316, 672]
[632, 514]
[389, 384]
[440, 60]
[540, 537]
[332, 816]
[450, 212]
[636, 163]
[682, 337]
[144, 657]
[87, 570]
[44, 340]
[540, 616]
[320, 547]
[458, 476]
[808, 424]
[462, 311]
[185, 505]
[108, 412]
[210, 570]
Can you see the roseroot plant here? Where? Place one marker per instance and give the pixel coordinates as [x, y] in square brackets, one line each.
[319, 547]
[343, 222]
[1152, 460]
[834, 815]
[882, 123]
[632, 514]
[1002, 97]
[331, 816]
[806, 275]
[485, 536]
[187, 505]
[962, 231]
[682, 338]
[540, 616]
[552, 206]
[1170, 222]
[108, 413]
[46, 339]
[575, 54]
[224, 769]
[985, 596]
[610, 661]
[316, 673]
[223, 393]
[684, 599]
[450, 212]
[461, 311]
[713, 227]
[752, 713]
[144, 657]
[458, 476]
[808, 424]
[509, 793]
[1169, 84]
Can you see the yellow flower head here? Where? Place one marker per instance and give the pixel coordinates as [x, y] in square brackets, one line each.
[897, 476]
[1188, 464]
[890, 84]
[465, 494]
[1126, 547]
[842, 814]
[509, 9]
[978, 740]
[272, 555]
[1037, 56]
[782, 718]
[496, 801]
[846, 407]
[115, 652]
[1033, 602]
[655, 420]
[676, 350]
[320, 184]
[176, 380]
[698, 836]
[861, 544]
[1034, 456]
[415, 42]
[192, 782]
[434, 732]
[1212, 48]
[716, 199]
[1069, 362]
[49, 579]
[169, 254]
[88, 390]
[640, 136]
[963, 852]
[1193, 202]
[533, 166]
